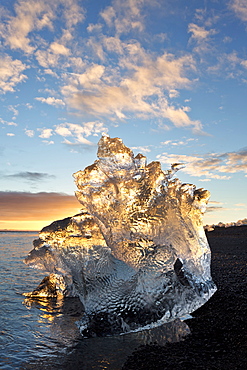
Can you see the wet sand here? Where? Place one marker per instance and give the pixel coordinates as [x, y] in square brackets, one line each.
[218, 337]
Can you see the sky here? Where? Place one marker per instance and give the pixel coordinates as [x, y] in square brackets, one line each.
[169, 77]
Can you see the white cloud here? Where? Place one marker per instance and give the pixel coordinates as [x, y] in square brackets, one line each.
[50, 57]
[47, 59]
[125, 16]
[173, 93]
[13, 110]
[79, 141]
[199, 33]
[34, 15]
[73, 13]
[80, 132]
[46, 133]
[63, 130]
[240, 8]
[244, 63]
[114, 44]
[10, 73]
[30, 15]
[10, 134]
[142, 88]
[29, 106]
[58, 48]
[47, 142]
[94, 27]
[51, 101]
[8, 123]
[92, 77]
[142, 149]
[29, 133]
[212, 166]
[201, 37]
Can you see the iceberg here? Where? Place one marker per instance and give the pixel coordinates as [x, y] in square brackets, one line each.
[137, 255]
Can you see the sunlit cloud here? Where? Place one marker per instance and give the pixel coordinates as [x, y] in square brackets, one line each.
[11, 73]
[59, 49]
[80, 132]
[143, 89]
[199, 33]
[125, 16]
[33, 15]
[30, 15]
[211, 166]
[51, 101]
[201, 37]
[240, 8]
[214, 209]
[214, 206]
[46, 133]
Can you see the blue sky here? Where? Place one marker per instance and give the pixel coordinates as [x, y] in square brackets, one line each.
[169, 77]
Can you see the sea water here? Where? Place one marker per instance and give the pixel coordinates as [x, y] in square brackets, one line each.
[43, 334]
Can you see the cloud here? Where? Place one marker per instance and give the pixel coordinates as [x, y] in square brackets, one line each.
[244, 63]
[213, 209]
[10, 73]
[215, 202]
[212, 166]
[80, 132]
[125, 16]
[228, 64]
[141, 85]
[142, 149]
[33, 15]
[47, 142]
[8, 123]
[240, 8]
[59, 49]
[53, 57]
[199, 33]
[21, 206]
[201, 37]
[13, 110]
[30, 176]
[178, 142]
[73, 13]
[51, 101]
[29, 133]
[30, 15]
[46, 133]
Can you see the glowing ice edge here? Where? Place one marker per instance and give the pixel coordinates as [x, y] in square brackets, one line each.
[137, 255]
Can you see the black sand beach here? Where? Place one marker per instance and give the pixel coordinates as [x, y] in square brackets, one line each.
[218, 337]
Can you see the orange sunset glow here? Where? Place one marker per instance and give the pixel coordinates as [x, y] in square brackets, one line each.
[28, 211]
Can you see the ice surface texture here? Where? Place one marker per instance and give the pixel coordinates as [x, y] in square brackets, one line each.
[137, 256]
